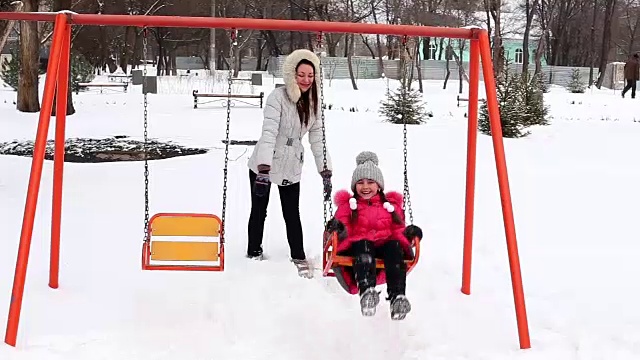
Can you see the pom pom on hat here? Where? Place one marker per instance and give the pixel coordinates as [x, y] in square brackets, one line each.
[365, 156]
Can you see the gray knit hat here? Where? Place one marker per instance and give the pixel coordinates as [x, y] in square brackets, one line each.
[367, 168]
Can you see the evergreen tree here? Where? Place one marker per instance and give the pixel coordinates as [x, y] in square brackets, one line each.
[521, 103]
[535, 111]
[576, 85]
[11, 70]
[404, 104]
[81, 71]
[511, 104]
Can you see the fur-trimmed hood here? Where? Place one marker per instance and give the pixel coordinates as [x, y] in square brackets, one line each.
[289, 71]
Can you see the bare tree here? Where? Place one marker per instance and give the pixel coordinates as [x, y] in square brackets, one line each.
[610, 9]
[28, 99]
[629, 26]
[530, 7]
[493, 11]
[592, 42]
[374, 9]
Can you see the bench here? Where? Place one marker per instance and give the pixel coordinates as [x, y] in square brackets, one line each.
[123, 85]
[461, 99]
[197, 95]
[119, 78]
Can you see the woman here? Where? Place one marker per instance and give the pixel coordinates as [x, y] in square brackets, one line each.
[290, 112]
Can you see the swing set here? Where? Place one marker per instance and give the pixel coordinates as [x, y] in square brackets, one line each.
[158, 254]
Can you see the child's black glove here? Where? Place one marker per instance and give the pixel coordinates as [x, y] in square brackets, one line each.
[337, 226]
[412, 231]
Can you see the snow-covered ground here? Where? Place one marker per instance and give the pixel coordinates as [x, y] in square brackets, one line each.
[575, 197]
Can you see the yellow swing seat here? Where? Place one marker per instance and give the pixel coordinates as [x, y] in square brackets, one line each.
[180, 253]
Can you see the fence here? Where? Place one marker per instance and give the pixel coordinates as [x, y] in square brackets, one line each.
[367, 68]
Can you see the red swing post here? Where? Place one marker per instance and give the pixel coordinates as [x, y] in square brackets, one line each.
[58, 46]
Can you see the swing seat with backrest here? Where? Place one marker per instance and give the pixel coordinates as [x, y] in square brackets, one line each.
[339, 265]
[160, 253]
[184, 241]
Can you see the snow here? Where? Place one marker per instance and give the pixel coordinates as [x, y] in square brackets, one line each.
[574, 190]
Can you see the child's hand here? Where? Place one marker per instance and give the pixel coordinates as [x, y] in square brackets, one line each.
[412, 231]
[337, 226]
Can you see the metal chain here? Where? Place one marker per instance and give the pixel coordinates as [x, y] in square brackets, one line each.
[146, 137]
[226, 147]
[328, 204]
[406, 194]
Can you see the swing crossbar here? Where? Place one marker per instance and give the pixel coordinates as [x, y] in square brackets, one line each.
[181, 225]
[332, 260]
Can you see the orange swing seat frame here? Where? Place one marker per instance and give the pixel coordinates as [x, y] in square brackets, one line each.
[204, 254]
[331, 259]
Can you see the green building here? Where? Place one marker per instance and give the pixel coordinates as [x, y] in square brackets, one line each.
[512, 49]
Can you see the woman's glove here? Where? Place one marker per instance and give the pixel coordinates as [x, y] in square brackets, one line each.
[262, 183]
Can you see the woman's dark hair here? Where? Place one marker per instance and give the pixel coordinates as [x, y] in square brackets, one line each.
[308, 97]
[394, 215]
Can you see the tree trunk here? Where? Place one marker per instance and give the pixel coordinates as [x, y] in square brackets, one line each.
[366, 43]
[28, 100]
[347, 45]
[259, 49]
[539, 52]
[237, 62]
[212, 41]
[351, 74]
[446, 77]
[174, 65]
[542, 41]
[130, 37]
[461, 73]
[592, 42]
[426, 48]
[529, 9]
[378, 42]
[606, 40]
[418, 65]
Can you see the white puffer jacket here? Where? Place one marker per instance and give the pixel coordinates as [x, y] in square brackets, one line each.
[280, 145]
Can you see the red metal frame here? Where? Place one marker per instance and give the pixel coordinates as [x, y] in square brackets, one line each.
[146, 248]
[57, 76]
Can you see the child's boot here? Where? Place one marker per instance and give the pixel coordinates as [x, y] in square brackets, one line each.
[400, 307]
[369, 299]
[364, 269]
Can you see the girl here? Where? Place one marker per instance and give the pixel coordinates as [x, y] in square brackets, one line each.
[371, 224]
[290, 112]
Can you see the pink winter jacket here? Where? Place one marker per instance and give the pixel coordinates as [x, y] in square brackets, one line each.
[374, 221]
